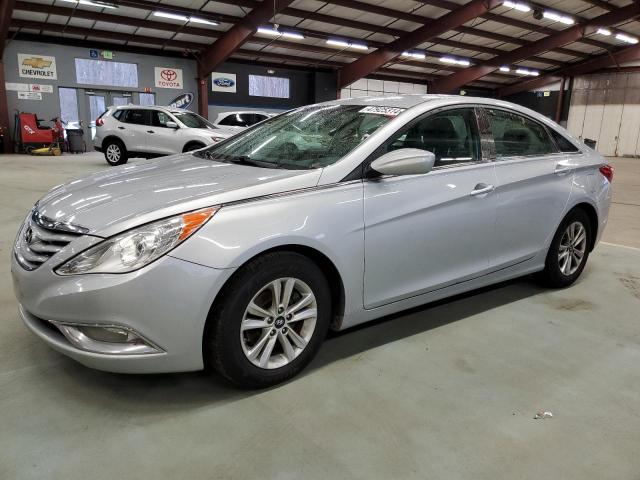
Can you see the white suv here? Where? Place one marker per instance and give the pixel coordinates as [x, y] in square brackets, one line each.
[134, 131]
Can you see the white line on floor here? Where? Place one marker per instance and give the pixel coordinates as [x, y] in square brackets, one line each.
[618, 245]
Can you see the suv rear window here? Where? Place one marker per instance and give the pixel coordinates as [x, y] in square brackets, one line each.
[117, 114]
[136, 116]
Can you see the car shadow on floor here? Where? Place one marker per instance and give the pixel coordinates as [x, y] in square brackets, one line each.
[149, 394]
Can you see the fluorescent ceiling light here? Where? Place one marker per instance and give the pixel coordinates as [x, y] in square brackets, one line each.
[505, 69]
[524, 71]
[455, 61]
[202, 20]
[173, 16]
[278, 33]
[604, 31]
[556, 17]
[345, 44]
[521, 7]
[626, 38]
[92, 4]
[418, 55]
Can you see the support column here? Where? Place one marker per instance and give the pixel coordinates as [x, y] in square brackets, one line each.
[560, 102]
[203, 96]
[5, 118]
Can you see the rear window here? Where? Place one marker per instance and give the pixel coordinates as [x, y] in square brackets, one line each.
[564, 145]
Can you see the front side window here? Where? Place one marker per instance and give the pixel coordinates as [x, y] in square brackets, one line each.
[309, 137]
[451, 135]
[515, 135]
[160, 119]
[136, 117]
[192, 120]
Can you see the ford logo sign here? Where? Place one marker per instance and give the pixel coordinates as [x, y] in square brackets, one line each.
[182, 101]
[224, 82]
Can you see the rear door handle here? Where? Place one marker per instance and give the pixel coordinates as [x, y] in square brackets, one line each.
[482, 189]
[150, 131]
[121, 128]
[562, 169]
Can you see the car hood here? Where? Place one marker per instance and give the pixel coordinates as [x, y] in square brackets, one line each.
[208, 132]
[111, 201]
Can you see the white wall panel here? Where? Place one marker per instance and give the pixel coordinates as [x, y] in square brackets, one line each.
[612, 113]
[630, 123]
[575, 122]
[593, 114]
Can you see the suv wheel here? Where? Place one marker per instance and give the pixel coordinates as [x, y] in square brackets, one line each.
[275, 314]
[115, 152]
[189, 147]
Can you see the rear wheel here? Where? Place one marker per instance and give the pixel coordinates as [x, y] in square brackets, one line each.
[191, 146]
[115, 153]
[272, 319]
[569, 251]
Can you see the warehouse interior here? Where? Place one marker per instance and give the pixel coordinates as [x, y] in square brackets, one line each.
[452, 389]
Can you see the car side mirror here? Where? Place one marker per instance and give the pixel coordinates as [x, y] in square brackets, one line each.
[404, 161]
[171, 125]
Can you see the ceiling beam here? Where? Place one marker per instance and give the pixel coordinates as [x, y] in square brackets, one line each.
[237, 35]
[571, 34]
[629, 54]
[374, 60]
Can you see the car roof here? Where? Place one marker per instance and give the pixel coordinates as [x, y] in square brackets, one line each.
[152, 107]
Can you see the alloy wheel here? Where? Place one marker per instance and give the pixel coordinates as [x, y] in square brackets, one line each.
[573, 246]
[113, 153]
[278, 323]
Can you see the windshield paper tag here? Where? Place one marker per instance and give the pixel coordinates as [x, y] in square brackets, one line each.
[389, 111]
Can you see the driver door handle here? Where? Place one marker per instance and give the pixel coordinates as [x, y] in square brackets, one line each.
[482, 189]
[121, 128]
[150, 131]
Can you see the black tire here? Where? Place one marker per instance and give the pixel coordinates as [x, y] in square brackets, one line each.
[222, 344]
[189, 147]
[552, 276]
[115, 153]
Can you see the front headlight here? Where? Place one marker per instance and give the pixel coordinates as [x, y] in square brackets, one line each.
[137, 247]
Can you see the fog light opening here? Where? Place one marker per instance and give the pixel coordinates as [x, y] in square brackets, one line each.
[110, 340]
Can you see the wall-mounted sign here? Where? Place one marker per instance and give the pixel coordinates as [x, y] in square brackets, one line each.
[30, 95]
[37, 66]
[167, 77]
[547, 94]
[147, 89]
[182, 101]
[35, 87]
[17, 87]
[223, 82]
[107, 54]
[93, 53]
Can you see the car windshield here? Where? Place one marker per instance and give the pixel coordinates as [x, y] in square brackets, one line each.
[192, 120]
[306, 138]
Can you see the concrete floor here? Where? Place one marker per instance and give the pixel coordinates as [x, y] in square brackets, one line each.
[446, 391]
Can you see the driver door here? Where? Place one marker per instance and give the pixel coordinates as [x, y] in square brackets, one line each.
[425, 232]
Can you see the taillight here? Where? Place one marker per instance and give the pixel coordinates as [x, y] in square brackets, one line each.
[99, 122]
[607, 171]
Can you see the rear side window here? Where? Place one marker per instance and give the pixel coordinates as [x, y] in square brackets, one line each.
[515, 135]
[118, 114]
[451, 135]
[564, 145]
[136, 117]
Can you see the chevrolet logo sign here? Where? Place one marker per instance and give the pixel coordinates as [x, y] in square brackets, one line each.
[36, 62]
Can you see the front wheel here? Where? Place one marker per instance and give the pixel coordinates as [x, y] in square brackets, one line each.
[569, 251]
[273, 317]
[115, 153]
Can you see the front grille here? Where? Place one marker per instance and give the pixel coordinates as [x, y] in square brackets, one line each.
[41, 238]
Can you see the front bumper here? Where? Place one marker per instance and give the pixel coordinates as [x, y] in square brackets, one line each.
[166, 302]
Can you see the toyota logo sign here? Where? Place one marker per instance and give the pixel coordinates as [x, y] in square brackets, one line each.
[168, 75]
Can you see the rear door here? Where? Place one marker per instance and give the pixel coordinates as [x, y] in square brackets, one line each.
[133, 129]
[534, 183]
[424, 232]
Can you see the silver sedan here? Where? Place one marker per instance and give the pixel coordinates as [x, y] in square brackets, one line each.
[241, 256]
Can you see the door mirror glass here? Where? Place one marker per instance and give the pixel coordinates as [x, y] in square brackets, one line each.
[171, 124]
[405, 161]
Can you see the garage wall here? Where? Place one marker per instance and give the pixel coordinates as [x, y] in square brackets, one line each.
[305, 87]
[606, 108]
[65, 56]
[372, 87]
